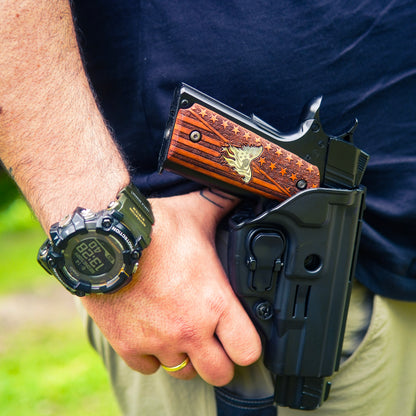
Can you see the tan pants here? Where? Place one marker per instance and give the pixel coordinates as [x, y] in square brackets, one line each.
[379, 378]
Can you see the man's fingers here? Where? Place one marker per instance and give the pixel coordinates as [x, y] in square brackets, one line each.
[238, 336]
[180, 301]
[145, 364]
[212, 363]
[178, 366]
[235, 330]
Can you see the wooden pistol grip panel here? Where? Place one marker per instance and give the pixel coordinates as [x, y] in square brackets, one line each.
[206, 144]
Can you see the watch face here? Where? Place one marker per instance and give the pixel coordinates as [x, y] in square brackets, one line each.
[94, 259]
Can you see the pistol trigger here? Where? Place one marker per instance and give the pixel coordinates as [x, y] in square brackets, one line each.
[348, 135]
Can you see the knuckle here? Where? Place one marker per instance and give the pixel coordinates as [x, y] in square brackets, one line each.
[126, 350]
[187, 333]
[217, 304]
[136, 360]
[250, 351]
[223, 378]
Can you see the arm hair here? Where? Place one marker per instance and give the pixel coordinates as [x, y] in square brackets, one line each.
[53, 138]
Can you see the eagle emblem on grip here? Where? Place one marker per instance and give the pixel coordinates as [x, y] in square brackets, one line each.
[240, 158]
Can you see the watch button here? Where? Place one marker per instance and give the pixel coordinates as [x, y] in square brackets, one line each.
[107, 223]
[51, 262]
[113, 205]
[65, 221]
[87, 214]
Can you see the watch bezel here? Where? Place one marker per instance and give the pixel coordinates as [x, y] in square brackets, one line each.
[126, 252]
[125, 225]
[96, 280]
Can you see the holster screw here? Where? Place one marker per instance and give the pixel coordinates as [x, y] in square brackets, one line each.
[264, 310]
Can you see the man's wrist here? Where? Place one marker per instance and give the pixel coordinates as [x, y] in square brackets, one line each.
[98, 252]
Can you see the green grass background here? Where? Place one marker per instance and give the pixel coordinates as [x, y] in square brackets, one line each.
[45, 369]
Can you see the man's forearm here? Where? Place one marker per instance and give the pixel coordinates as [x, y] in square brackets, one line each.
[53, 139]
[55, 143]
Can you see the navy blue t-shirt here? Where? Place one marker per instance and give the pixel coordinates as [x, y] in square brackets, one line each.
[270, 58]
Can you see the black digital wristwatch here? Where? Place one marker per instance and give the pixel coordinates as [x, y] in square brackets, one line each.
[99, 252]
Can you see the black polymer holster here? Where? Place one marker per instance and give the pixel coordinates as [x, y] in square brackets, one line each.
[290, 263]
[292, 268]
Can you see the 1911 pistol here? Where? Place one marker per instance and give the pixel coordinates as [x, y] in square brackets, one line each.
[212, 143]
[292, 264]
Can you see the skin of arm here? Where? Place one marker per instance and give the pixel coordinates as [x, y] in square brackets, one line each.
[61, 154]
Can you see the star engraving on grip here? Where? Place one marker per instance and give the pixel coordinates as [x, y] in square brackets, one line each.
[240, 158]
[252, 157]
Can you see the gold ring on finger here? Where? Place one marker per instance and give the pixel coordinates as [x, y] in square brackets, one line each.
[178, 367]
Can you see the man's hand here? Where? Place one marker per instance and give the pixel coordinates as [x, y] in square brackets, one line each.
[180, 302]
[55, 143]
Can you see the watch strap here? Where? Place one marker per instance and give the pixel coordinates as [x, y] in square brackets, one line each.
[136, 213]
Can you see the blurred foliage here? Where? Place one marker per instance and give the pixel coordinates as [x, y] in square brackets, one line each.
[45, 369]
[20, 238]
[19, 269]
[8, 189]
[17, 216]
[14, 212]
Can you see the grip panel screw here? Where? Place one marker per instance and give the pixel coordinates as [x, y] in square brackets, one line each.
[195, 136]
[301, 184]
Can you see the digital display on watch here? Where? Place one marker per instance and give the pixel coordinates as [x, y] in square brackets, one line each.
[92, 257]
